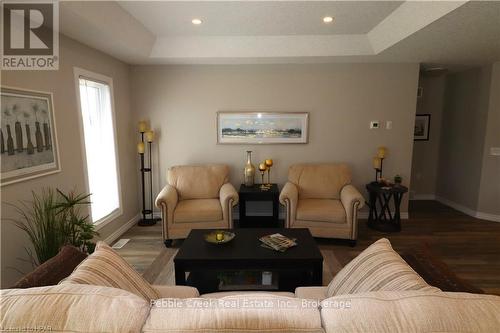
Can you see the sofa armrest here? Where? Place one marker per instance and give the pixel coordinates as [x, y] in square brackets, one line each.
[228, 198]
[289, 197]
[176, 291]
[319, 293]
[352, 200]
[167, 197]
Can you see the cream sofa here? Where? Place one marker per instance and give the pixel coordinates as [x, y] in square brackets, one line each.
[87, 308]
[196, 197]
[320, 197]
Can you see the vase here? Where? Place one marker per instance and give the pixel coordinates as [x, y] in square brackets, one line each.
[29, 146]
[10, 142]
[249, 173]
[38, 137]
[19, 136]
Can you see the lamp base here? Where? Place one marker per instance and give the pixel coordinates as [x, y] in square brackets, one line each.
[148, 222]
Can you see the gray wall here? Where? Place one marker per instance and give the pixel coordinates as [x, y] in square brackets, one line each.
[181, 102]
[489, 195]
[61, 83]
[463, 129]
[426, 153]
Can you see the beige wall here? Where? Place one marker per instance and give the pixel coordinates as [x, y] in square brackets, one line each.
[181, 103]
[462, 136]
[61, 84]
[426, 153]
[489, 194]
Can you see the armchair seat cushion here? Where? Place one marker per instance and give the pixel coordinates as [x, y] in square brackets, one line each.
[321, 210]
[198, 210]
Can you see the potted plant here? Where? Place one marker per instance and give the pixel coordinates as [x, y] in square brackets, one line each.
[53, 219]
[398, 180]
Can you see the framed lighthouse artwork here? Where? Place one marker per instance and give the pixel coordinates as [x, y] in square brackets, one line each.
[28, 135]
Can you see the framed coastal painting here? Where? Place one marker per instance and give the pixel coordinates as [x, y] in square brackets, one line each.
[262, 127]
[28, 135]
[422, 127]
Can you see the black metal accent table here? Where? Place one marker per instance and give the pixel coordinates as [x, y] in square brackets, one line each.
[301, 265]
[255, 193]
[381, 218]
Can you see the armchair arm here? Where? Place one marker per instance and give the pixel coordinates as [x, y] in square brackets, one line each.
[289, 197]
[352, 200]
[167, 201]
[228, 198]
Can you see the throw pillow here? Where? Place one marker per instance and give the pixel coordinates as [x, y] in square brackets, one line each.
[106, 268]
[378, 267]
[53, 270]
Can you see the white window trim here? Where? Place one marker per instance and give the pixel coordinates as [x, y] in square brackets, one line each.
[78, 73]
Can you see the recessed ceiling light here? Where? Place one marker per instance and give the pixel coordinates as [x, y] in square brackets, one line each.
[328, 19]
[196, 21]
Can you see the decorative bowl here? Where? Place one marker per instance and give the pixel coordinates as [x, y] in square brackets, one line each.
[226, 237]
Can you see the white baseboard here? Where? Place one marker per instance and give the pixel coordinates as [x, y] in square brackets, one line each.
[423, 197]
[121, 230]
[468, 211]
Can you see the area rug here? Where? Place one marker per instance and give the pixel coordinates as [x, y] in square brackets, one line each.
[161, 271]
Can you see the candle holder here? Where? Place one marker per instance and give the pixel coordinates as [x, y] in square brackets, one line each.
[262, 169]
[269, 164]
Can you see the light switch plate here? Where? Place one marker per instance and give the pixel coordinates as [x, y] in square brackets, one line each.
[374, 124]
[495, 151]
[388, 124]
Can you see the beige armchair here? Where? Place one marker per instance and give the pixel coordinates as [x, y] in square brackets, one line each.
[321, 198]
[196, 197]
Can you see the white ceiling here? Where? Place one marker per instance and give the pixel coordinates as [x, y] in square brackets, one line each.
[259, 18]
[161, 32]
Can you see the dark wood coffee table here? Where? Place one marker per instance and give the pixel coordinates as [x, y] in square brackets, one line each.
[239, 264]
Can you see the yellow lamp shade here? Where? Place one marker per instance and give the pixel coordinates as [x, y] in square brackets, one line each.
[269, 163]
[377, 163]
[140, 147]
[381, 152]
[143, 126]
[262, 167]
[150, 135]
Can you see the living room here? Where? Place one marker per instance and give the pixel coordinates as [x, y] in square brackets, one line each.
[403, 94]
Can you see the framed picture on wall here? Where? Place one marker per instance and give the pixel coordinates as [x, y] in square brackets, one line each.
[262, 127]
[422, 127]
[28, 135]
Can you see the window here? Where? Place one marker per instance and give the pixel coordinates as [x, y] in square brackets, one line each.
[97, 122]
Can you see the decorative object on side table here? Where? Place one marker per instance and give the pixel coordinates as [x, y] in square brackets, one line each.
[378, 162]
[262, 169]
[269, 164]
[29, 141]
[147, 213]
[381, 218]
[249, 172]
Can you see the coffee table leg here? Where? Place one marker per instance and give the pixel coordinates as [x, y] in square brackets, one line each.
[180, 275]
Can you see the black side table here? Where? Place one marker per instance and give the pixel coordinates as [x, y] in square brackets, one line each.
[381, 218]
[255, 193]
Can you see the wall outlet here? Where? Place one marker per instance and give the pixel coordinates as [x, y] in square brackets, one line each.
[374, 124]
[388, 124]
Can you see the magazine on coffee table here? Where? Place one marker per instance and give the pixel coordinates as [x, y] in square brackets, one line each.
[278, 242]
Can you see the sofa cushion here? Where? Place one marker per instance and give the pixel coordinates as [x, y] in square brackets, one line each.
[251, 313]
[411, 311]
[319, 181]
[198, 181]
[198, 210]
[321, 210]
[221, 294]
[71, 308]
[53, 270]
[378, 267]
[106, 268]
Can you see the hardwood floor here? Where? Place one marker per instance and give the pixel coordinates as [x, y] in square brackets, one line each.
[470, 247]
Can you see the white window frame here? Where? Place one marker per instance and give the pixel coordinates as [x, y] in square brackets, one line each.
[83, 73]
